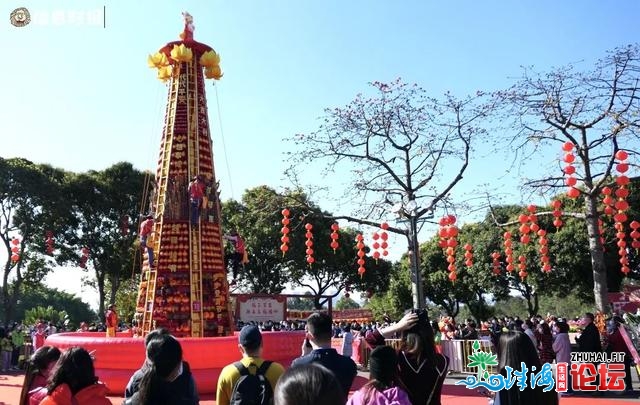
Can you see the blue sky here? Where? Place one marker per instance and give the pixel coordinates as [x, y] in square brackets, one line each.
[82, 97]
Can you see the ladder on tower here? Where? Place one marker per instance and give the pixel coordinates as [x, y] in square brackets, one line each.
[163, 175]
[195, 267]
[147, 317]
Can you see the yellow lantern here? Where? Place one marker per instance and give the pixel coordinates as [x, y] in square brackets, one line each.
[213, 72]
[210, 59]
[164, 73]
[157, 60]
[181, 53]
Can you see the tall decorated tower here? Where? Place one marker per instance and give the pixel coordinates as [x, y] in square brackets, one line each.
[186, 289]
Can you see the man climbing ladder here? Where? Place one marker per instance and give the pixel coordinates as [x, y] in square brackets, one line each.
[238, 257]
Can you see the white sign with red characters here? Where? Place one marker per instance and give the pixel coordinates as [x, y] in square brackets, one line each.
[260, 309]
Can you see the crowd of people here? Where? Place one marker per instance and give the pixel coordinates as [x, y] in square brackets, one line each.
[413, 374]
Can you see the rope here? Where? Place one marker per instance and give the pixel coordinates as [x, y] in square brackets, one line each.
[147, 178]
[224, 148]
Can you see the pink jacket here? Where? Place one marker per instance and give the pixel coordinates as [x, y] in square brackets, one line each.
[391, 396]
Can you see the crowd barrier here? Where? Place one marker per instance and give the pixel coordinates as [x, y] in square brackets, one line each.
[458, 352]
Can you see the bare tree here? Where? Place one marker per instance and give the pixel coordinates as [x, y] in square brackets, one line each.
[404, 150]
[598, 112]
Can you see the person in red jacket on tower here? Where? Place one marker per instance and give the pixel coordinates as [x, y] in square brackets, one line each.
[237, 258]
[196, 195]
[146, 229]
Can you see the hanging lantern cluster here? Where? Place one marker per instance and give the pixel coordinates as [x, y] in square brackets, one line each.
[468, 255]
[508, 251]
[635, 234]
[544, 250]
[524, 229]
[448, 241]
[533, 218]
[384, 236]
[608, 201]
[570, 169]
[360, 247]
[496, 263]
[15, 250]
[285, 232]
[334, 236]
[376, 246]
[621, 206]
[49, 242]
[523, 267]
[557, 213]
[84, 257]
[309, 244]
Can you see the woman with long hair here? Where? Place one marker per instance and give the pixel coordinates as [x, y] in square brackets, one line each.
[545, 344]
[421, 369]
[308, 384]
[39, 368]
[165, 380]
[384, 387]
[73, 381]
[516, 348]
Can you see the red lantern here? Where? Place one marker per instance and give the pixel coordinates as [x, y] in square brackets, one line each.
[334, 236]
[15, 241]
[285, 232]
[621, 155]
[384, 236]
[569, 158]
[569, 170]
[568, 146]
[496, 262]
[573, 192]
[508, 252]
[309, 243]
[360, 254]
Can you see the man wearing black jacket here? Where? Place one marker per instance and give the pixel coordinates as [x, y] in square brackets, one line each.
[589, 340]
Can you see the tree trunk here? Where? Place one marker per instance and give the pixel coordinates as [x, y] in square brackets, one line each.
[600, 289]
[100, 282]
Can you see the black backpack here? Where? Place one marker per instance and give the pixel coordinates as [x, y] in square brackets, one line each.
[252, 389]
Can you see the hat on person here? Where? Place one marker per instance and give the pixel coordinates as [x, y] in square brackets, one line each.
[250, 337]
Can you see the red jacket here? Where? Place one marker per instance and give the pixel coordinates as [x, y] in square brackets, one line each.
[196, 190]
[111, 319]
[95, 394]
[146, 227]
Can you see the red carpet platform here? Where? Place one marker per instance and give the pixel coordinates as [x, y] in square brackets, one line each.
[11, 385]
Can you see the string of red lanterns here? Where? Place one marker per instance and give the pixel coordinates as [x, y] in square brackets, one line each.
[508, 251]
[285, 232]
[384, 236]
[557, 213]
[496, 263]
[15, 250]
[360, 254]
[524, 229]
[635, 235]
[608, 201]
[621, 205]
[468, 255]
[570, 169]
[309, 243]
[544, 250]
[523, 267]
[376, 246]
[334, 236]
[448, 241]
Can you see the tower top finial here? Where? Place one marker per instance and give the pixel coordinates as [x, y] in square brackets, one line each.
[187, 33]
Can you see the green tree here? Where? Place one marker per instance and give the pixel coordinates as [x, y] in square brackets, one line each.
[300, 304]
[38, 295]
[32, 202]
[102, 199]
[596, 112]
[397, 298]
[48, 314]
[346, 303]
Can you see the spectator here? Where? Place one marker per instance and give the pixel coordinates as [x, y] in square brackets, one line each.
[39, 336]
[516, 348]
[347, 341]
[73, 380]
[383, 386]
[184, 382]
[527, 328]
[617, 344]
[229, 383]
[38, 371]
[111, 319]
[422, 371]
[317, 348]
[6, 348]
[562, 349]
[545, 344]
[17, 339]
[589, 340]
[309, 384]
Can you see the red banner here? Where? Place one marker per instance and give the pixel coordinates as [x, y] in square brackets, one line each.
[629, 343]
